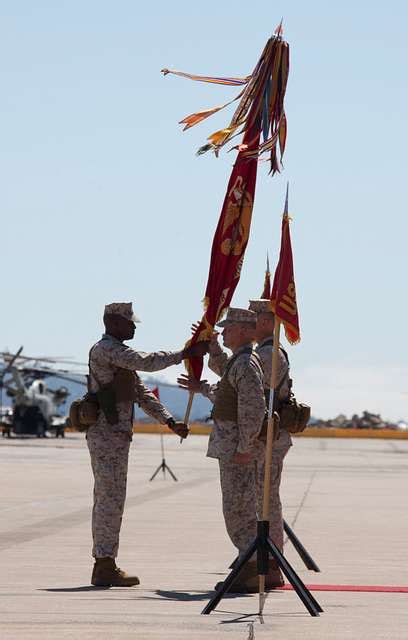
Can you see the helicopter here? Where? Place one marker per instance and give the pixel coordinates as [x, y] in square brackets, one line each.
[35, 405]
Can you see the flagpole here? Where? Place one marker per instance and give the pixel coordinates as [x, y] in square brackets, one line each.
[269, 445]
[162, 441]
[188, 410]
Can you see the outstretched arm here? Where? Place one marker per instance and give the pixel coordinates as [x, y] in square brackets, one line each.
[127, 358]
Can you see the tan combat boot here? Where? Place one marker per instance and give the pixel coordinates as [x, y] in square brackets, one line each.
[106, 574]
[247, 580]
[274, 579]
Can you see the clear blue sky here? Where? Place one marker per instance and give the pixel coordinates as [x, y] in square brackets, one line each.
[103, 199]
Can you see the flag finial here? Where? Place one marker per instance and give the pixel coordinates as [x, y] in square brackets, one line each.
[286, 210]
[279, 29]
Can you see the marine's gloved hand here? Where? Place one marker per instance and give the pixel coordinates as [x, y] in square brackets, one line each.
[197, 350]
[242, 458]
[178, 427]
[189, 383]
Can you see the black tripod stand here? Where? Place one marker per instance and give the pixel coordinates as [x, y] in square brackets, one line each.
[304, 554]
[163, 466]
[264, 547]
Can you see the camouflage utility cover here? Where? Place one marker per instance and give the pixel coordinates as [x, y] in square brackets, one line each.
[262, 305]
[236, 315]
[123, 309]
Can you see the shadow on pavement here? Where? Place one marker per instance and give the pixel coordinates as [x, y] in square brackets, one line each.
[74, 589]
[190, 596]
[239, 619]
[261, 617]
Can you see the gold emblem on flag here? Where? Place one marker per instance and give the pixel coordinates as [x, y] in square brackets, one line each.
[237, 219]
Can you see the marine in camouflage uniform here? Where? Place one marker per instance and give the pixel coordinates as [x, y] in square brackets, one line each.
[217, 362]
[109, 438]
[238, 413]
[283, 443]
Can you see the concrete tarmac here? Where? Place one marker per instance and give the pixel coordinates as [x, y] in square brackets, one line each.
[345, 499]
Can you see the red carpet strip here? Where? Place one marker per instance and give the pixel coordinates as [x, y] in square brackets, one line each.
[352, 587]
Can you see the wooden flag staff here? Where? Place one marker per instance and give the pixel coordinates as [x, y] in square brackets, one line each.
[272, 418]
[188, 410]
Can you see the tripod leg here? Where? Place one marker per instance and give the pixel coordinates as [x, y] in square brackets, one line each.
[230, 579]
[166, 466]
[156, 472]
[262, 559]
[302, 591]
[306, 557]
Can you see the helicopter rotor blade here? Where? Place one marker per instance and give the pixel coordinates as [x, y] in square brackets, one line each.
[10, 363]
[32, 372]
[63, 377]
[27, 369]
[57, 374]
[53, 360]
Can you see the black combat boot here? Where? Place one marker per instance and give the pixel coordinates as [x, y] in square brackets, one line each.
[106, 574]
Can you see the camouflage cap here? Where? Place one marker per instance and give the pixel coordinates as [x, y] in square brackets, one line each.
[263, 305]
[235, 315]
[123, 309]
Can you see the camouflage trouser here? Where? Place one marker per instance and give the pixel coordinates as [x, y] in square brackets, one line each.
[109, 458]
[238, 488]
[242, 495]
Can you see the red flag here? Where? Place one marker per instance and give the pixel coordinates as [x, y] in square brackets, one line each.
[260, 111]
[228, 249]
[283, 298]
[266, 293]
